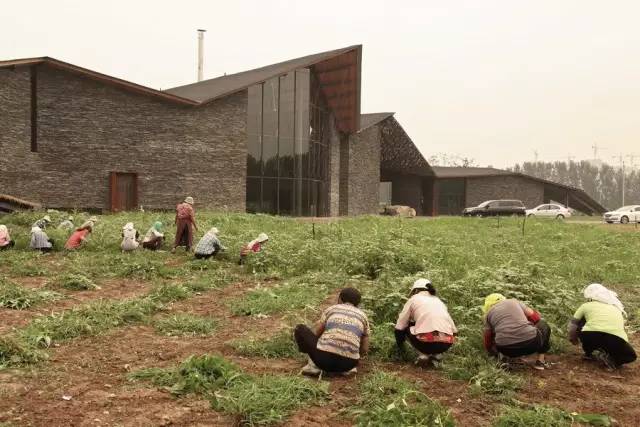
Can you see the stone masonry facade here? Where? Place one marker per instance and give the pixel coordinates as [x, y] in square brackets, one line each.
[364, 172]
[87, 129]
[504, 187]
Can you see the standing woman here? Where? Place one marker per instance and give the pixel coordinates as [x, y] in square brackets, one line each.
[599, 326]
[154, 238]
[185, 224]
[129, 238]
[426, 321]
[5, 238]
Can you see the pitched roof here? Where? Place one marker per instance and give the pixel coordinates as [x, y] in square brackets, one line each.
[371, 119]
[114, 81]
[398, 153]
[338, 72]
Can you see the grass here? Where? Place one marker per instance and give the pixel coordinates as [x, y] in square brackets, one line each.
[388, 400]
[185, 325]
[466, 259]
[255, 400]
[280, 345]
[76, 282]
[17, 297]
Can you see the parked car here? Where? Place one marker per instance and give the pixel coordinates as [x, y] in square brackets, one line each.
[495, 208]
[549, 210]
[623, 215]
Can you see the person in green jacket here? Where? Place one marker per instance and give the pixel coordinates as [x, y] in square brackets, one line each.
[599, 326]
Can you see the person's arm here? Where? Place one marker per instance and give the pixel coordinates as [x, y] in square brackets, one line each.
[318, 328]
[487, 340]
[532, 315]
[402, 324]
[364, 345]
[576, 324]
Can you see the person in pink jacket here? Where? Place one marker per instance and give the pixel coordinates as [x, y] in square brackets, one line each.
[5, 238]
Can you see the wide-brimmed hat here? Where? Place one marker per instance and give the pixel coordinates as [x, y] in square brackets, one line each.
[262, 237]
[189, 200]
[47, 218]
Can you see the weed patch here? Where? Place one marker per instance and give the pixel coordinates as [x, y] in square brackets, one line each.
[185, 324]
[76, 282]
[280, 345]
[16, 297]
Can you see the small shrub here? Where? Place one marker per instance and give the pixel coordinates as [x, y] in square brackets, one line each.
[14, 352]
[279, 299]
[170, 293]
[537, 416]
[185, 324]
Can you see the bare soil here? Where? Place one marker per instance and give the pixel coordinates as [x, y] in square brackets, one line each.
[92, 372]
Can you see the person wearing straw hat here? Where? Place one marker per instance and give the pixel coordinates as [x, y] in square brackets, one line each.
[512, 330]
[425, 320]
[154, 238]
[209, 245]
[253, 246]
[42, 222]
[599, 326]
[40, 241]
[185, 224]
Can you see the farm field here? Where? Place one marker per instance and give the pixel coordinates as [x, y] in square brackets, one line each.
[98, 337]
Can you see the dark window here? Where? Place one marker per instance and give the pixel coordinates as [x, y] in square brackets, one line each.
[270, 195]
[286, 203]
[254, 132]
[287, 117]
[34, 109]
[270, 109]
[254, 191]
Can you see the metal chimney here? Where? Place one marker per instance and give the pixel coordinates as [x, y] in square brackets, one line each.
[200, 54]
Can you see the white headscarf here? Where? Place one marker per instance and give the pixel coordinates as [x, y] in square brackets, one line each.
[597, 292]
[214, 231]
[128, 226]
[4, 231]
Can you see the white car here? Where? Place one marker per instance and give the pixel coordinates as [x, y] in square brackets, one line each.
[550, 210]
[623, 215]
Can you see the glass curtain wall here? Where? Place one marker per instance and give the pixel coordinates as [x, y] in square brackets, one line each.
[288, 146]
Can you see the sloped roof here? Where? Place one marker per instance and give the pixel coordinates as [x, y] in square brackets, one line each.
[398, 153]
[466, 172]
[338, 72]
[114, 81]
[577, 197]
[371, 119]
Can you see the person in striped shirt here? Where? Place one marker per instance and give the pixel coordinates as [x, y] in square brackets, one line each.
[338, 340]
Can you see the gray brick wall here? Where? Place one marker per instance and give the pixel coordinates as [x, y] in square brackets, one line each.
[334, 169]
[504, 187]
[87, 129]
[364, 171]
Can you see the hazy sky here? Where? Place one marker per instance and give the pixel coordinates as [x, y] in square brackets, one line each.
[491, 80]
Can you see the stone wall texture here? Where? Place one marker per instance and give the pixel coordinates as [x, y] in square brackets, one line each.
[334, 169]
[87, 129]
[504, 187]
[364, 172]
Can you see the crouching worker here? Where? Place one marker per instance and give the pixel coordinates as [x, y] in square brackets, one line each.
[40, 241]
[130, 238]
[154, 238]
[338, 339]
[425, 320]
[513, 330]
[253, 246]
[78, 237]
[209, 245]
[599, 326]
[5, 238]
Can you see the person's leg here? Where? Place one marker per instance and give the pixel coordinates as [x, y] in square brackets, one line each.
[618, 349]
[544, 336]
[157, 243]
[306, 340]
[589, 341]
[427, 348]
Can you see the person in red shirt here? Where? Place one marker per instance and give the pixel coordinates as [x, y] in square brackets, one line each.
[78, 237]
[253, 246]
[185, 224]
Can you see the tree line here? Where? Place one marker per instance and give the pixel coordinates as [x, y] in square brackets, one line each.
[603, 182]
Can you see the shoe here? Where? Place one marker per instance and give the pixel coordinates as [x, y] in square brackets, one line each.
[350, 372]
[588, 357]
[424, 361]
[173, 251]
[540, 366]
[310, 369]
[606, 360]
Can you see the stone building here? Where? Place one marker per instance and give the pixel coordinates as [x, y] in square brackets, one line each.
[288, 139]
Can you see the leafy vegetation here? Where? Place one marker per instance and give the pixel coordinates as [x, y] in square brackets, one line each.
[278, 346]
[185, 324]
[18, 297]
[76, 282]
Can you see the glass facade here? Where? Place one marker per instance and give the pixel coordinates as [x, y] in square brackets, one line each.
[288, 146]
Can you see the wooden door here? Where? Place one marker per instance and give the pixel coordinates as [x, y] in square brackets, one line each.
[124, 191]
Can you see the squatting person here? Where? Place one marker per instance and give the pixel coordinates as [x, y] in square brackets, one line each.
[338, 340]
[599, 325]
[130, 238]
[425, 320]
[209, 245]
[39, 240]
[513, 330]
[79, 236]
[5, 238]
[253, 246]
[154, 238]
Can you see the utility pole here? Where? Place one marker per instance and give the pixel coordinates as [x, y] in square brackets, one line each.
[621, 158]
[535, 155]
[201, 54]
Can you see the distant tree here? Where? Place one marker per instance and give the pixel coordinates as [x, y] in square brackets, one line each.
[444, 159]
